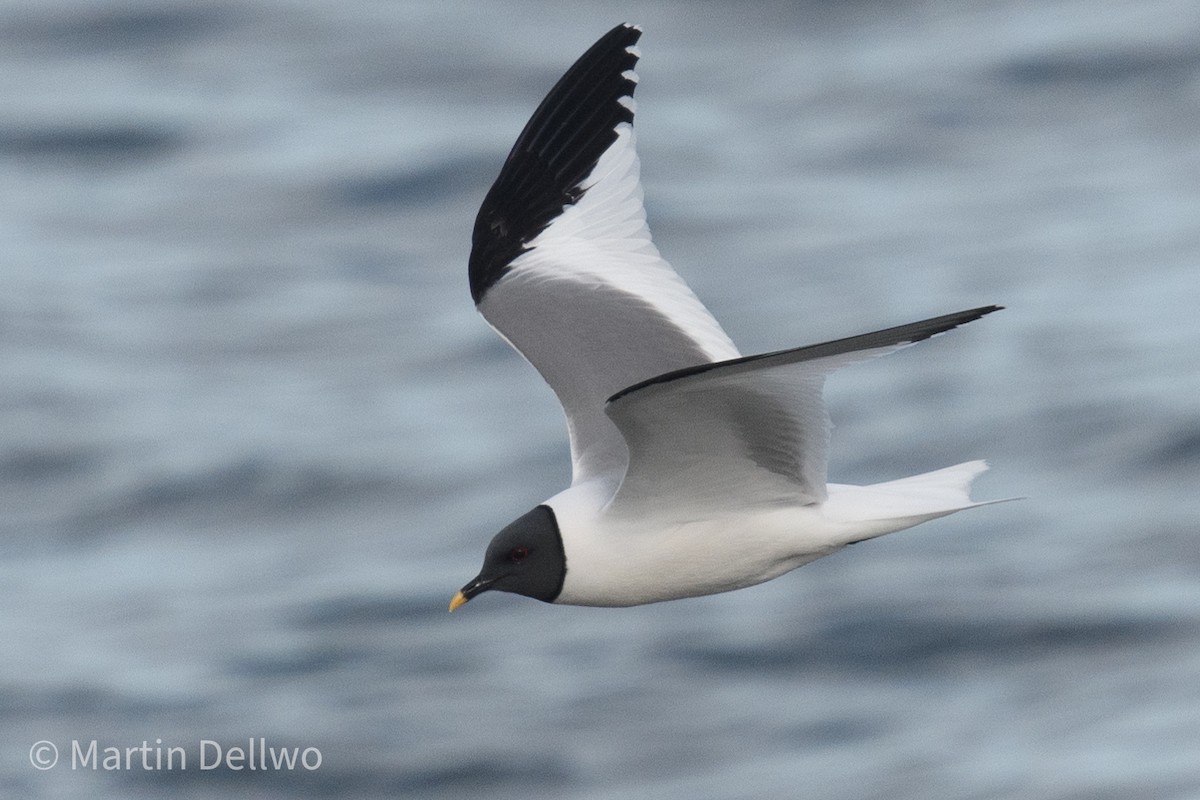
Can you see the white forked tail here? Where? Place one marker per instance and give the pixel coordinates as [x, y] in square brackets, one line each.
[869, 511]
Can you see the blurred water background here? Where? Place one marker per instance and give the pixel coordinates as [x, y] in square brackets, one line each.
[253, 434]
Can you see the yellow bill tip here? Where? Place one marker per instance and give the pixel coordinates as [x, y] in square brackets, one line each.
[460, 599]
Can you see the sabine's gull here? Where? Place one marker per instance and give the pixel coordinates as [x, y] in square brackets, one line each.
[695, 469]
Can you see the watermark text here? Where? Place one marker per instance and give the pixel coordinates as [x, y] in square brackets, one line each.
[257, 755]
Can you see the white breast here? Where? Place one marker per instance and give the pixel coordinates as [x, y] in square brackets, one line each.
[622, 562]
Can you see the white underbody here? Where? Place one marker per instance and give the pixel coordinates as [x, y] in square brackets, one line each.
[615, 561]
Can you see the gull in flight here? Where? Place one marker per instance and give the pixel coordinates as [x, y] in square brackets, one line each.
[695, 469]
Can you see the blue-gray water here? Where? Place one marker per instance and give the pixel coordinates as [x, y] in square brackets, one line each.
[253, 434]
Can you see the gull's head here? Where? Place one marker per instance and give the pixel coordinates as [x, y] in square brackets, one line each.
[526, 557]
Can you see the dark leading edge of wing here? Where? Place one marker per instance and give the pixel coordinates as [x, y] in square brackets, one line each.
[902, 334]
[558, 148]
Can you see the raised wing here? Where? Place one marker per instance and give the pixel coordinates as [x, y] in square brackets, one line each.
[562, 265]
[751, 429]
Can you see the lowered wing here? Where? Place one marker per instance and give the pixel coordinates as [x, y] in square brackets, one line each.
[750, 429]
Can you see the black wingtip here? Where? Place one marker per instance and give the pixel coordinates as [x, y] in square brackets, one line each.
[901, 334]
[932, 327]
[557, 149]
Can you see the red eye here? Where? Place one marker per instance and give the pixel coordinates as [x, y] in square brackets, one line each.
[518, 554]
